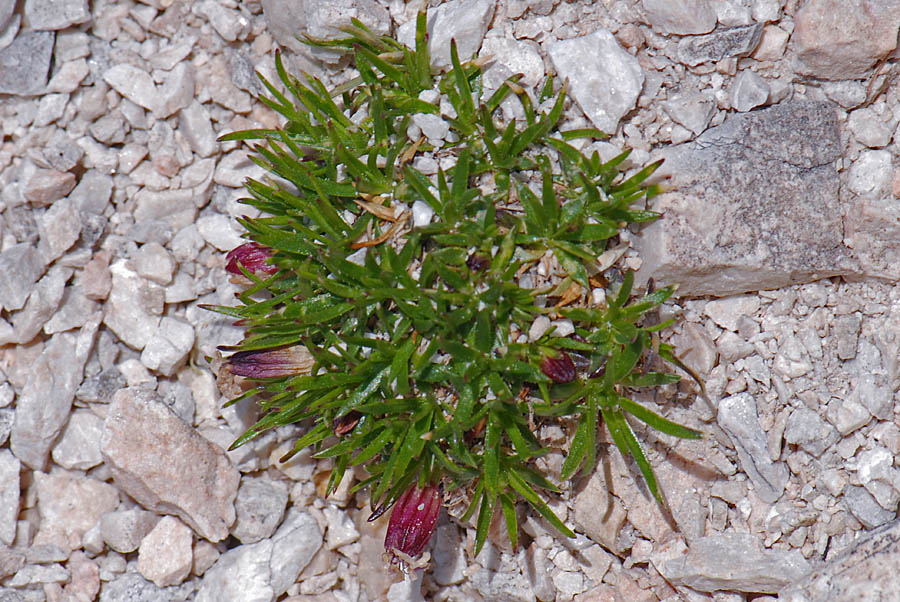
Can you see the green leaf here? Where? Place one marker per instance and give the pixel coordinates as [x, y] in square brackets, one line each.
[625, 440]
[507, 504]
[485, 514]
[656, 421]
[530, 496]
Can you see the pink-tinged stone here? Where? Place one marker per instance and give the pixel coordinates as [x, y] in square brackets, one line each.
[70, 504]
[48, 185]
[166, 466]
[843, 40]
[95, 278]
[165, 556]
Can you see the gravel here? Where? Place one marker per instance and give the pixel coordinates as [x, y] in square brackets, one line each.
[779, 124]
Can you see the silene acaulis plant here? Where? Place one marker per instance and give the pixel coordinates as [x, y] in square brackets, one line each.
[393, 282]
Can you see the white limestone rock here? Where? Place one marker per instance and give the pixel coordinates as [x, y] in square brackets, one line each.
[604, 80]
[871, 174]
[166, 466]
[134, 306]
[733, 562]
[134, 84]
[217, 230]
[42, 408]
[9, 496]
[465, 21]
[263, 571]
[738, 418]
[681, 16]
[56, 14]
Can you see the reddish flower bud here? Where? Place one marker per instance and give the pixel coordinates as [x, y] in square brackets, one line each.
[269, 363]
[412, 522]
[560, 369]
[478, 263]
[253, 256]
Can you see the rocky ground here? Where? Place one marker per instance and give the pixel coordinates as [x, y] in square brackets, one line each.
[779, 122]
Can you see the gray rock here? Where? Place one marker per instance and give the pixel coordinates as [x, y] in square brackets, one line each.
[735, 221]
[229, 24]
[846, 333]
[100, 387]
[865, 508]
[866, 570]
[20, 267]
[680, 16]
[175, 209]
[123, 530]
[693, 111]
[503, 586]
[177, 90]
[9, 496]
[260, 507]
[748, 91]
[166, 466]
[56, 14]
[61, 152]
[835, 40]
[168, 348]
[266, 568]
[449, 555]
[7, 416]
[60, 227]
[519, 56]
[876, 395]
[42, 408]
[738, 418]
[24, 64]
[598, 513]
[607, 84]
[75, 311]
[38, 574]
[195, 125]
[134, 306]
[7, 8]
[727, 312]
[41, 305]
[93, 192]
[733, 562]
[807, 430]
[10, 562]
[132, 587]
[868, 128]
[79, 446]
[721, 44]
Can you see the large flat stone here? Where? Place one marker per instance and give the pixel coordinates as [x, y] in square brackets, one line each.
[867, 570]
[753, 205]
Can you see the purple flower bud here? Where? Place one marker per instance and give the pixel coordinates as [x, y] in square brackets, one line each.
[560, 369]
[269, 363]
[412, 522]
[252, 256]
